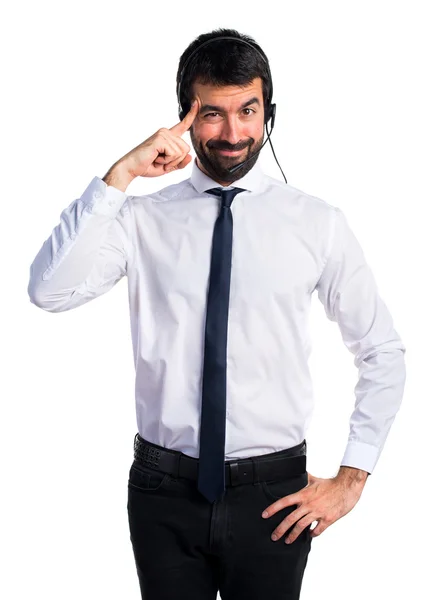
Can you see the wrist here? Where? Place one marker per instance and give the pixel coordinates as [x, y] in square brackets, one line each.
[352, 475]
[118, 176]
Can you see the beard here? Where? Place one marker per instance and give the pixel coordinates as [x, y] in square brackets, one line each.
[217, 165]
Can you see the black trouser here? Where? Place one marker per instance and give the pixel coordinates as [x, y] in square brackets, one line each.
[188, 549]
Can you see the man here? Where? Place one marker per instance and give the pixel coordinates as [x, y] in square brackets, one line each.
[220, 348]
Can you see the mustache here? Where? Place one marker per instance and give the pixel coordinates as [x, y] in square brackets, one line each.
[221, 146]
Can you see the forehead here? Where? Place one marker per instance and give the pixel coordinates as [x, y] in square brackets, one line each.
[227, 95]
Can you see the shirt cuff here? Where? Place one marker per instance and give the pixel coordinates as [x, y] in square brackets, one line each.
[360, 456]
[103, 199]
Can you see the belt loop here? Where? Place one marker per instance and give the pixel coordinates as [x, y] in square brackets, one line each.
[255, 470]
[233, 472]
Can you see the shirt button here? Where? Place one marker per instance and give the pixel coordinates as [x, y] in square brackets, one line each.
[97, 194]
[111, 202]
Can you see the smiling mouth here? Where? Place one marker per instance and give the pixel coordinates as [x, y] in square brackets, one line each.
[229, 152]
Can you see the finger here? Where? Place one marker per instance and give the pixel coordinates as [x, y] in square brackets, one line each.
[179, 165]
[298, 529]
[278, 505]
[288, 522]
[173, 164]
[317, 530]
[185, 162]
[171, 151]
[184, 147]
[179, 157]
[187, 121]
[172, 141]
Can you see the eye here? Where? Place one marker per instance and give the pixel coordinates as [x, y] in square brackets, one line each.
[212, 114]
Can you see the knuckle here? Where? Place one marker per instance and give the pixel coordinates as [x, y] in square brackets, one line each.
[181, 157]
[283, 528]
[295, 529]
[179, 141]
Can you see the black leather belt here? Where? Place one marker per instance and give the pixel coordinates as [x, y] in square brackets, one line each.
[278, 465]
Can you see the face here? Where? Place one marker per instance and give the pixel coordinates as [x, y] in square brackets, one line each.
[230, 118]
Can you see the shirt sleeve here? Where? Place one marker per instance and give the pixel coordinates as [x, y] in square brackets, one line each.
[86, 253]
[348, 292]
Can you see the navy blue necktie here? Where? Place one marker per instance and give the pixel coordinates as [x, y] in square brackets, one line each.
[211, 465]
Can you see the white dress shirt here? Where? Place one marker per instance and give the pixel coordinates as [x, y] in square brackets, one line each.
[286, 244]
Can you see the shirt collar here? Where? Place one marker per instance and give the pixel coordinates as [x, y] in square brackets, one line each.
[252, 181]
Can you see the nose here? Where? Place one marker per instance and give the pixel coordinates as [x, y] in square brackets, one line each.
[231, 131]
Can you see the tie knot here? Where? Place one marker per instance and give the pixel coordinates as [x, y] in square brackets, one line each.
[226, 195]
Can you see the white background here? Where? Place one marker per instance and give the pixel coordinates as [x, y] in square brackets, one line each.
[84, 83]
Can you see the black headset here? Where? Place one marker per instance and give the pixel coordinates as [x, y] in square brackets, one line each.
[270, 109]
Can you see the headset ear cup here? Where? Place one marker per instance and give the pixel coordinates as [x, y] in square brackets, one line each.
[268, 112]
[272, 112]
[183, 110]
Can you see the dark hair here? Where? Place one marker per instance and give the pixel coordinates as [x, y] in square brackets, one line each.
[224, 62]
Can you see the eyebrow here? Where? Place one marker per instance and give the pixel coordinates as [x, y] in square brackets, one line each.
[212, 107]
